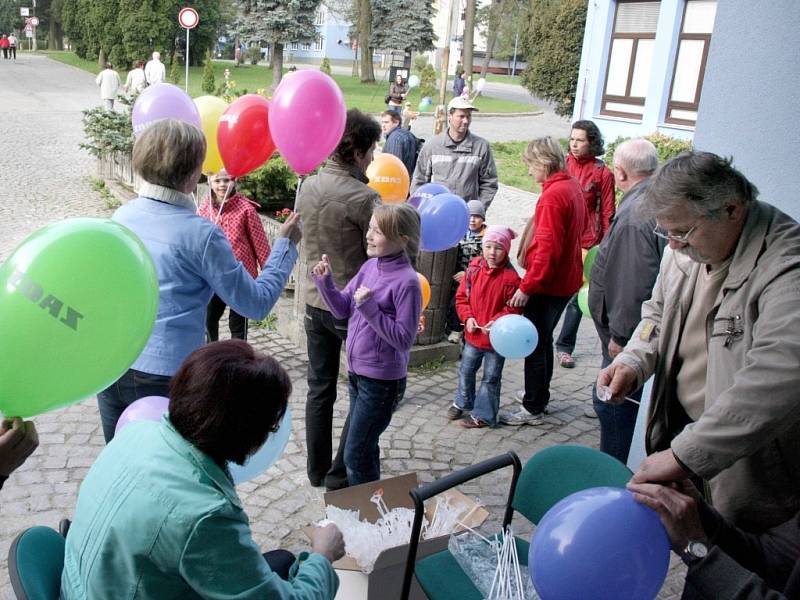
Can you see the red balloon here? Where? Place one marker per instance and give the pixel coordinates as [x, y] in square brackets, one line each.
[243, 135]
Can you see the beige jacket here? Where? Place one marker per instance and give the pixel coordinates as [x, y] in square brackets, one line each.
[335, 206]
[747, 442]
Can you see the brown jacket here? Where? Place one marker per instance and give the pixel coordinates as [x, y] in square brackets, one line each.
[747, 442]
[335, 206]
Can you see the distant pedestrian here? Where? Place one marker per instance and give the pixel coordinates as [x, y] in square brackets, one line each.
[399, 141]
[136, 82]
[4, 45]
[109, 83]
[397, 94]
[154, 70]
[12, 45]
[458, 85]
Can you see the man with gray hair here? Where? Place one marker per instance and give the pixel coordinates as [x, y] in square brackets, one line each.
[622, 278]
[155, 71]
[721, 337]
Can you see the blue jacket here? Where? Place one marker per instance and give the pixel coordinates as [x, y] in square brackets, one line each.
[157, 518]
[194, 260]
[403, 144]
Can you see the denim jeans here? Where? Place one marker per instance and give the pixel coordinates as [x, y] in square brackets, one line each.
[486, 403]
[372, 402]
[324, 337]
[569, 328]
[544, 312]
[133, 385]
[236, 322]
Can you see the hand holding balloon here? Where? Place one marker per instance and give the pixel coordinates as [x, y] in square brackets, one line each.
[18, 440]
[292, 228]
[677, 508]
[323, 267]
[362, 294]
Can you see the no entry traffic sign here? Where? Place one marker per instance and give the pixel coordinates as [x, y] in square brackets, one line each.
[188, 18]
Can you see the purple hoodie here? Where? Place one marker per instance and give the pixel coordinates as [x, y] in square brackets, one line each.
[383, 328]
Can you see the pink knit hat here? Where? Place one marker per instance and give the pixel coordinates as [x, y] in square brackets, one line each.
[500, 235]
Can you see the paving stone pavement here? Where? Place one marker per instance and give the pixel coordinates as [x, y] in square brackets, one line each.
[46, 178]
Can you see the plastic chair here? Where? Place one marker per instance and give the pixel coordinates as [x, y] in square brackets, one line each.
[35, 563]
[549, 476]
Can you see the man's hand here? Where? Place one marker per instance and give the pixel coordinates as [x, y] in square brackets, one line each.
[328, 541]
[361, 294]
[457, 277]
[292, 228]
[518, 300]
[660, 467]
[678, 508]
[471, 325]
[18, 440]
[614, 348]
[619, 379]
[323, 267]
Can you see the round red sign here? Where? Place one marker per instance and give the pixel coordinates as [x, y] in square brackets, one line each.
[188, 18]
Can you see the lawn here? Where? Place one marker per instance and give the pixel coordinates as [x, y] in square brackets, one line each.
[367, 97]
[511, 170]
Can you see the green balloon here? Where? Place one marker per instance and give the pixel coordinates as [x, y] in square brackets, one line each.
[588, 262]
[78, 300]
[583, 300]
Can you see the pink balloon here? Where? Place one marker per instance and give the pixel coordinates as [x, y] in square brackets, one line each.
[149, 408]
[306, 118]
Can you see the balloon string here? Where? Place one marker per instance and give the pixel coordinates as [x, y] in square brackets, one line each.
[300, 180]
[224, 200]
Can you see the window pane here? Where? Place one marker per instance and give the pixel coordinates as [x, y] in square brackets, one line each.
[637, 17]
[687, 70]
[618, 67]
[641, 69]
[626, 108]
[686, 115]
[699, 16]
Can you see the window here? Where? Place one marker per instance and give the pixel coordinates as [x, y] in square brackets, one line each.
[630, 58]
[319, 18]
[295, 46]
[306, 46]
[690, 61]
[319, 43]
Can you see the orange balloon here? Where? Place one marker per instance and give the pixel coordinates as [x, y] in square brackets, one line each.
[389, 177]
[426, 290]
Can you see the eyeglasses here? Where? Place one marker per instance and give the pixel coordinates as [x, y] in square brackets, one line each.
[679, 239]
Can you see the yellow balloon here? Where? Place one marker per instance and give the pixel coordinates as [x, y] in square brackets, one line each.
[389, 177]
[211, 109]
[426, 290]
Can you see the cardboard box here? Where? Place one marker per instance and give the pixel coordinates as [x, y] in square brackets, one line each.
[386, 580]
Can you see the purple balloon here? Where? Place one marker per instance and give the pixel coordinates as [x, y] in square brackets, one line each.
[149, 408]
[306, 118]
[445, 219]
[426, 192]
[163, 101]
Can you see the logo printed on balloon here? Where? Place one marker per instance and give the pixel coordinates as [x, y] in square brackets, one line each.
[33, 291]
[381, 179]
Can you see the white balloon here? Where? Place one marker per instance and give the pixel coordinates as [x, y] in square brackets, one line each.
[480, 84]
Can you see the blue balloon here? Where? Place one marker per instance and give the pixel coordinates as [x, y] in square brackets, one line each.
[266, 456]
[427, 101]
[445, 219]
[513, 336]
[599, 543]
[426, 192]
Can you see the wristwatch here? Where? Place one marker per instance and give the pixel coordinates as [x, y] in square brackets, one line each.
[695, 550]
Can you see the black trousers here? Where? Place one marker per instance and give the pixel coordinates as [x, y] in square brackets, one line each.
[280, 562]
[324, 337]
[236, 322]
[544, 312]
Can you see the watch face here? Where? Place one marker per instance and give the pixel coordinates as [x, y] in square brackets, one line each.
[697, 549]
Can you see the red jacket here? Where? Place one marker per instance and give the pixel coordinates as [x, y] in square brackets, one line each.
[240, 223]
[597, 185]
[553, 264]
[482, 295]
[4, 43]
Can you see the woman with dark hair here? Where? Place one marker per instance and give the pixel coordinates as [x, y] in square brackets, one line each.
[336, 205]
[158, 515]
[597, 185]
[193, 259]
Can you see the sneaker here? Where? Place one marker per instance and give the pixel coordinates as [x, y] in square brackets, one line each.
[565, 360]
[454, 337]
[520, 416]
[589, 413]
[471, 422]
[520, 396]
[454, 412]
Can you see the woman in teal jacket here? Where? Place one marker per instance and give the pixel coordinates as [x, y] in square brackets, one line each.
[158, 516]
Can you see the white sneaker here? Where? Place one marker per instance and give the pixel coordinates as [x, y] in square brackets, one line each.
[520, 395]
[520, 416]
[454, 337]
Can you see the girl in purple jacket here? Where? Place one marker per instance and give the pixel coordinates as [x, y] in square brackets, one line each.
[383, 303]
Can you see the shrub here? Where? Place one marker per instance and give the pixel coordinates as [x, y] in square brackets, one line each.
[427, 82]
[667, 147]
[325, 67]
[420, 62]
[208, 84]
[272, 185]
[107, 131]
[254, 54]
[174, 72]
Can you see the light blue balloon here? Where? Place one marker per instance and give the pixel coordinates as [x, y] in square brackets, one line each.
[513, 336]
[444, 219]
[267, 455]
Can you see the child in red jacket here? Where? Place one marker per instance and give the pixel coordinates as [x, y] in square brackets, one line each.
[487, 285]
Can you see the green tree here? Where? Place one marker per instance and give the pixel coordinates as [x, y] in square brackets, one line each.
[402, 25]
[427, 81]
[174, 72]
[209, 85]
[553, 41]
[325, 67]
